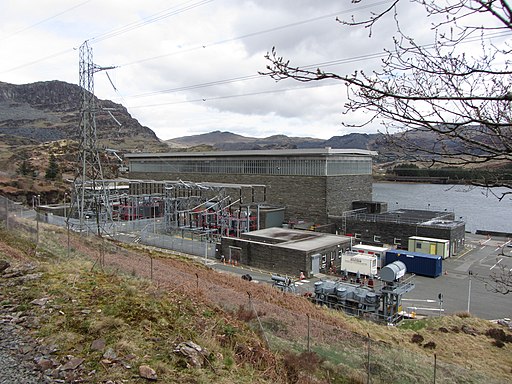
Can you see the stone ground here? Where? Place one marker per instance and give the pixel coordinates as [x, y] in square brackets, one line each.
[22, 359]
[17, 355]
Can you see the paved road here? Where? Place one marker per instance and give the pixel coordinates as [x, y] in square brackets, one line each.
[480, 258]
[458, 292]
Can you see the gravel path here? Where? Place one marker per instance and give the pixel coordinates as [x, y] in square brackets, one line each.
[17, 356]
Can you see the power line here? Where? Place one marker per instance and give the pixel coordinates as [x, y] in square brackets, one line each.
[171, 12]
[37, 61]
[321, 65]
[257, 33]
[44, 20]
[149, 20]
[317, 85]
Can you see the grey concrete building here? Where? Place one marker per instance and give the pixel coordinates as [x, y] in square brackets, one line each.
[395, 227]
[310, 184]
[286, 251]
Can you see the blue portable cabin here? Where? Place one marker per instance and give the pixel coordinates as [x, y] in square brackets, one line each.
[416, 262]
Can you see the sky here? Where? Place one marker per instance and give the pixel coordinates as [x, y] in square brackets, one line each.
[190, 67]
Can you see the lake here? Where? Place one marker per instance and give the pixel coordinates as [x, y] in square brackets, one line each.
[478, 207]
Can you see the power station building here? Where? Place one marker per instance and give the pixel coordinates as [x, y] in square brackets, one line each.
[286, 251]
[311, 184]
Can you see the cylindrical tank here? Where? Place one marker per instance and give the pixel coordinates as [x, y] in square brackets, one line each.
[359, 295]
[393, 271]
[341, 293]
[371, 298]
[281, 279]
[329, 287]
[318, 286]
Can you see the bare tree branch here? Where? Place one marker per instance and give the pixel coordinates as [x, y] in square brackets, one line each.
[455, 91]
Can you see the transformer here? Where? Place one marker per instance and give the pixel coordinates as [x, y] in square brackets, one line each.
[382, 305]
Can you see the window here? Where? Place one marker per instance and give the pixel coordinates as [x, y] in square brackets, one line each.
[324, 258]
[333, 256]
[357, 236]
[418, 245]
[397, 241]
[376, 239]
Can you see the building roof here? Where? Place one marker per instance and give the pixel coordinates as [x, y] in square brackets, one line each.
[412, 216]
[249, 153]
[297, 239]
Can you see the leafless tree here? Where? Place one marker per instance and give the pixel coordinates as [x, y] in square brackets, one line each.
[500, 278]
[455, 90]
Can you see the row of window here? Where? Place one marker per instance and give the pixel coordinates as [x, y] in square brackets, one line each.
[377, 239]
[305, 167]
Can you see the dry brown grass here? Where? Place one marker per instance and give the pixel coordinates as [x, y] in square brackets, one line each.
[214, 307]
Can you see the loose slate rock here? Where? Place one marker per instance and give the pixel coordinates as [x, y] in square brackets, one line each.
[110, 354]
[147, 372]
[193, 352]
[98, 345]
[4, 265]
[42, 301]
[74, 363]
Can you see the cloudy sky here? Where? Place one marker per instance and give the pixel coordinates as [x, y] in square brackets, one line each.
[191, 67]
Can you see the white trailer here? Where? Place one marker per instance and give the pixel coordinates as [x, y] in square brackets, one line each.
[380, 252]
[355, 262]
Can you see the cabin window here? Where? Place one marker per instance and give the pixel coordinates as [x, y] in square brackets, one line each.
[418, 245]
[376, 239]
[357, 236]
[397, 241]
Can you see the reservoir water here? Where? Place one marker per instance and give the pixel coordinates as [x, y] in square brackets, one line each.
[478, 207]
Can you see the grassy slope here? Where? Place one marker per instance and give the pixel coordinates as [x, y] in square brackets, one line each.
[143, 322]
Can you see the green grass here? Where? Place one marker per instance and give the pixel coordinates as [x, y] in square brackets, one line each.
[414, 325]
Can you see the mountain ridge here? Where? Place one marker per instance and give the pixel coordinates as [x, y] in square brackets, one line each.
[226, 141]
[49, 111]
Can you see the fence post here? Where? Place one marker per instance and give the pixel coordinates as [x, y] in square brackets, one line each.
[435, 367]
[368, 361]
[309, 344]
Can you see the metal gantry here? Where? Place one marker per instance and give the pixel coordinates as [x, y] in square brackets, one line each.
[215, 209]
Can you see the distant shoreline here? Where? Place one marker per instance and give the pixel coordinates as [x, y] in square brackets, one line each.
[416, 179]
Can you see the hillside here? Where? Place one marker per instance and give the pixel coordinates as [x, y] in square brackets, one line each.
[107, 309]
[49, 111]
[42, 118]
[227, 141]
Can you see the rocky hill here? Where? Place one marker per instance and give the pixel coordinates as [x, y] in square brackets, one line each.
[41, 120]
[49, 111]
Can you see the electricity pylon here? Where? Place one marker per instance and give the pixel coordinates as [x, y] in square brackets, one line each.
[91, 194]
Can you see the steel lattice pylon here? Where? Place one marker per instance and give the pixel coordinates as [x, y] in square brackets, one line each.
[91, 194]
